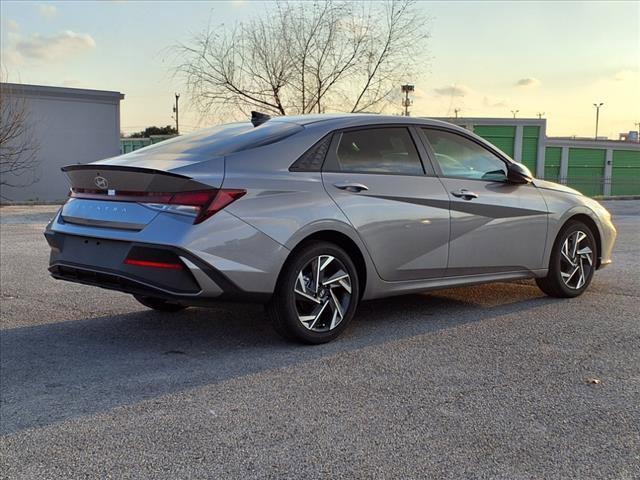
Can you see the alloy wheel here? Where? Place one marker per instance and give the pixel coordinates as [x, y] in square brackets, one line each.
[576, 260]
[322, 293]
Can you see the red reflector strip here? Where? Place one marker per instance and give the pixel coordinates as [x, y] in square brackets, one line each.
[146, 263]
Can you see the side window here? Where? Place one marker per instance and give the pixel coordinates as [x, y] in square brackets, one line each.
[463, 158]
[378, 150]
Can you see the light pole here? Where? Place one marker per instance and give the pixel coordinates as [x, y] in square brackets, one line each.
[540, 114]
[514, 112]
[406, 89]
[597, 105]
[175, 110]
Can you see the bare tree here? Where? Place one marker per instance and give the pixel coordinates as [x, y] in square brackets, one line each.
[18, 146]
[306, 57]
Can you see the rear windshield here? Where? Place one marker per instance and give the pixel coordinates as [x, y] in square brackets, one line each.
[226, 139]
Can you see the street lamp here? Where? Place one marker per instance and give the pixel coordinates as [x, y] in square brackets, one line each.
[597, 105]
[457, 111]
[540, 114]
[514, 112]
[175, 110]
[406, 89]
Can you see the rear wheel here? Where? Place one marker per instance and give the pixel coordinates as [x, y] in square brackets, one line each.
[159, 304]
[317, 294]
[572, 263]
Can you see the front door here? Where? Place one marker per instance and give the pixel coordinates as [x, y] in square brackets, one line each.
[496, 226]
[376, 177]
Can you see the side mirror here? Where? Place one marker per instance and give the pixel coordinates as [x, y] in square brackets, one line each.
[518, 173]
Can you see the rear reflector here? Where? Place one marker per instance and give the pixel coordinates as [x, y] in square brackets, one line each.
[150, 264]
[200, 204]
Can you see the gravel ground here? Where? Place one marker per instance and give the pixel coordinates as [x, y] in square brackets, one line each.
[494, 381]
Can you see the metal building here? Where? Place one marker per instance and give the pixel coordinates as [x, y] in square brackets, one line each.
[594, 167]
[70, 125]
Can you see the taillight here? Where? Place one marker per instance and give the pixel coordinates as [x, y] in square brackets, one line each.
[200, 204]
[223, 198]
[150, 257]
[151, 264]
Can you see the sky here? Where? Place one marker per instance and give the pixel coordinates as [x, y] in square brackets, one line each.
[486, 58]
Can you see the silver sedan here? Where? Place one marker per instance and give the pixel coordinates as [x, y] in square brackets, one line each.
[312, 214]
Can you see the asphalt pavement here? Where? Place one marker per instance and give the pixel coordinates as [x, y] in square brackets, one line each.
[493, 381]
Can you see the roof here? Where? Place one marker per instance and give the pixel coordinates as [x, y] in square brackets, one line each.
[26, 90]
[355, 119]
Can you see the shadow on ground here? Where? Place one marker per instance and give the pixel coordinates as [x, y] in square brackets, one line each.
[58, 371]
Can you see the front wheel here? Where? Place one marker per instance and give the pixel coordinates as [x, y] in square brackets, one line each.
[316, 295]
[572, 263]
[159, 304]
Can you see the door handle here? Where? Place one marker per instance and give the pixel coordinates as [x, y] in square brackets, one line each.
[351, 187]
[465, 194]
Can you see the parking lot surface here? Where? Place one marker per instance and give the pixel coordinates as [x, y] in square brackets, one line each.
[493, 381]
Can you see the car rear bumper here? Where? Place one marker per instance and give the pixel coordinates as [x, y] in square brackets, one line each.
[225, 260]
[100, 262]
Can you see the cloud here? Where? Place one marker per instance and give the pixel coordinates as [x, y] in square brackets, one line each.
[625, 75]
[528, 82]
[11, 58]
[493, 102]
[47, 10]
[453, 91]
[56, 47]
[13, 26]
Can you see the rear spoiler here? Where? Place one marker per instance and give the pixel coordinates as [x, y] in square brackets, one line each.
[107, 167]
[122, 178]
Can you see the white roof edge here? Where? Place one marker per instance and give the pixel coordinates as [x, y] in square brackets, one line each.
[494, 120]
[29, 90]
[591, 143]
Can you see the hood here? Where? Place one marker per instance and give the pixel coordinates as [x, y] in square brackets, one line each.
[554, 186]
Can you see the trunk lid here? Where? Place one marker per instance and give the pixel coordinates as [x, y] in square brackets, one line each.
[105, 183]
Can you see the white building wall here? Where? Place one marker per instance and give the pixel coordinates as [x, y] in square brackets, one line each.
[70, 126]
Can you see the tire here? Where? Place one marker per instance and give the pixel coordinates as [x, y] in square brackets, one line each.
[159, 304]
[307, 311]
[567, 265]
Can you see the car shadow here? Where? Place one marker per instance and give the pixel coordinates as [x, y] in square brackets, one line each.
[55, 372]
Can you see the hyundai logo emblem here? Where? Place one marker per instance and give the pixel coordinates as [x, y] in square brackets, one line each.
[101, 182]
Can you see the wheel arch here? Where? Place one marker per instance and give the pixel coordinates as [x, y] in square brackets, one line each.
[593, 226]
[342, 240]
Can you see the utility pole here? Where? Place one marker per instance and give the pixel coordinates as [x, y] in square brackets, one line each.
[540, 114]
[175, 110]
[406, 102]
[456, 111]
[597, 105]
[514, 112]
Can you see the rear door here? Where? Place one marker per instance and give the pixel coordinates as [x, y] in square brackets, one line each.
[496, 226]
[399, 208]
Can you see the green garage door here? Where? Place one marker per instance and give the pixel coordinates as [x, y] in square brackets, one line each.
[552, 156]
[625, 175]
[586, 170]
[530, 147]
[501, 136]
